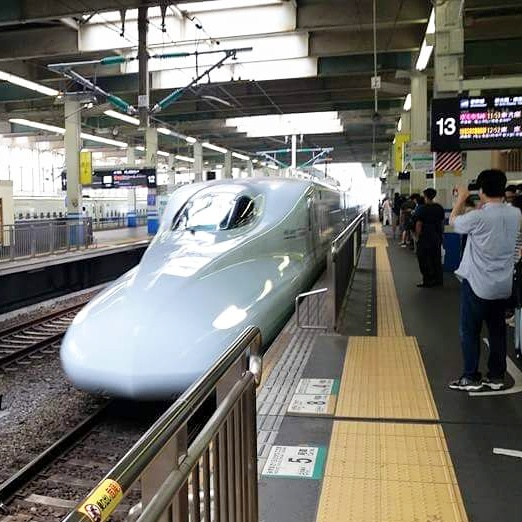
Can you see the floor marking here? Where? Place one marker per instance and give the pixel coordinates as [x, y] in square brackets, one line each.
[515, 373]
[305, 462]
[508, 452]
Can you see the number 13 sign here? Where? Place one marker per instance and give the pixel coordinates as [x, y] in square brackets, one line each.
[445, 125]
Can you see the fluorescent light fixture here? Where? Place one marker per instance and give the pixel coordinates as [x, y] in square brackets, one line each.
[36, 125]
[163, 153]
[288, 124]
[217, 5]
[190, 139]
[407, 102]
[240, 156]
[141, 148]
[219, 166]
[426, 50]
[273, 167]
[255, 160]
[184, 158]
[164, 130]
[107, 141]
[431, 23]
[22, 82]
[121, 116]
[214, 147]
[399, 126]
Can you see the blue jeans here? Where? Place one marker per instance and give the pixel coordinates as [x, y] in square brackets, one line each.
[473, 312]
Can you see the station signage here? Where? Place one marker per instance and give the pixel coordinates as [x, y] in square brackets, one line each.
[479, 122]
[119, 178]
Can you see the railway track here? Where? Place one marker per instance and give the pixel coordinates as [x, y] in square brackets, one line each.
[52, 484]
[33, 339]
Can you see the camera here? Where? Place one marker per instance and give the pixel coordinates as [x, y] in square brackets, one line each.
[473, 187]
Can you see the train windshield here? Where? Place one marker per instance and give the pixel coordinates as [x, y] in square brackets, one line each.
[214, 211]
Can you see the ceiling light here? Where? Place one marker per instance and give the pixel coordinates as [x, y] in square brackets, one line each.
[240, 156]
[407, 102]
[219, 166]
[273, 167]
[255, 160]
[140, 148]
[164, 130]
[184, 158]
[36, 125]
[16, 80]
[399, 125]
[121, 116]
[190, 139]
[107, 141]
[426, 50]
[288, 124]
[214, 147]
[162, 153]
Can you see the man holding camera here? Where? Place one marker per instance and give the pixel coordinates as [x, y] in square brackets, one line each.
[486, 274]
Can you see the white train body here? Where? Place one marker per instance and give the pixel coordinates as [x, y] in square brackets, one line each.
[228, 254]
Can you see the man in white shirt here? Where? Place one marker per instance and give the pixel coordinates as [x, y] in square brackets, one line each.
[486, 272]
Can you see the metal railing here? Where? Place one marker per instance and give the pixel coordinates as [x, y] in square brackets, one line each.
[24, 240]
[342, 261]
[212, 479]
[313, 303]
[111, 223]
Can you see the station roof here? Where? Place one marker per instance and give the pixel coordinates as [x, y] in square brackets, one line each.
[308, 56]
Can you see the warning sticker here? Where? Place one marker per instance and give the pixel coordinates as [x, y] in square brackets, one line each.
[306, 462]
[315, 386]
[312, 404]
[102, 501]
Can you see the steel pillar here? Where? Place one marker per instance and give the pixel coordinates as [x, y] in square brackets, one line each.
[198, 162]
[227, 168]
[73, 124]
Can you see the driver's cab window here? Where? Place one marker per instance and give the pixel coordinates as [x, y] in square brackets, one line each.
[214, 211]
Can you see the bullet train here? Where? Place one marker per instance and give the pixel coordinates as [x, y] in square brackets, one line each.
[228, 254]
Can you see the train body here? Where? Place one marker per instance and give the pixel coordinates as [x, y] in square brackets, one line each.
[228, 254]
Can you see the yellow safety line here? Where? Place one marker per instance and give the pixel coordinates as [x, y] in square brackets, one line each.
[386, 471]
[384, 377]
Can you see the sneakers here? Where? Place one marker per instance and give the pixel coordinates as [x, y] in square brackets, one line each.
[494, 384]
[466, 384]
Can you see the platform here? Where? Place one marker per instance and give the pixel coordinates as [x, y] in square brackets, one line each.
[29, 281]
[363, 427]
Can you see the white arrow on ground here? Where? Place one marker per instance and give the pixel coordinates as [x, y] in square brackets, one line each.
[508, 452]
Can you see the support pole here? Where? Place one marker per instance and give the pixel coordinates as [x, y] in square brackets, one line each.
[419, 124]
[198, 162]
[143, 72]
[151, 152]
[227, 170]
[294, 154]
[131, 192]
[73, 122]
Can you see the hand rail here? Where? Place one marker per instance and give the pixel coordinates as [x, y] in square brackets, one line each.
[338, 242]
[134, 463]
[298, 300]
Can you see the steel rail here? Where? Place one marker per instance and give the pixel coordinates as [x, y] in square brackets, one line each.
[21, 478]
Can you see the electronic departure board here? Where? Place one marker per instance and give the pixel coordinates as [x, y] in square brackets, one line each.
[469, 123]
[119, 178]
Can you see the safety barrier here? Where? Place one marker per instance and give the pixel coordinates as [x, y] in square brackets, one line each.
[313, 304]
[341, 265]
[25, 240]
[111, 223]
[214, 478]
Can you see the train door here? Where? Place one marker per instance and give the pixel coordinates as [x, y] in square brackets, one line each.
[312, 236]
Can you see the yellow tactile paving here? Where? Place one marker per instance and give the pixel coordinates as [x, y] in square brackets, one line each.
[384, 377]
[389, 473]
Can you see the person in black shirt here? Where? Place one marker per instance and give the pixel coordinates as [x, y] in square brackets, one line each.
[429, 229]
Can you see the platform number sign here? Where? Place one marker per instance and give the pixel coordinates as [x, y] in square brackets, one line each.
[445, 125]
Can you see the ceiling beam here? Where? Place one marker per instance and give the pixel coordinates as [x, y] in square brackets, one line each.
[35, 43]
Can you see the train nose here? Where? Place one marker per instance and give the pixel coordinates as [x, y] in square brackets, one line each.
[121, 371]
